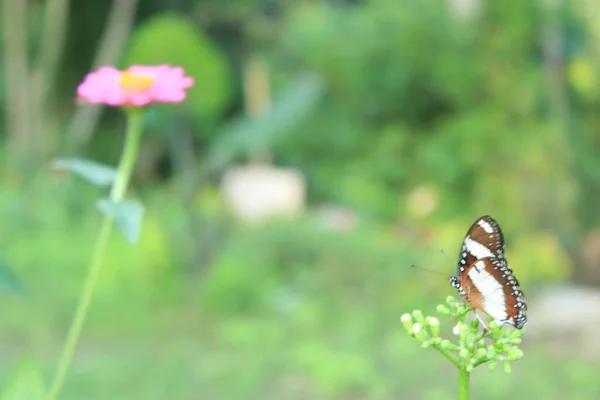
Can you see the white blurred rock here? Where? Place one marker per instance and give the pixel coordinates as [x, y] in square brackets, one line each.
[568, 317]
[257, 192]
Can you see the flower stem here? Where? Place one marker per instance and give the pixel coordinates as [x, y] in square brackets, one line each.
[117, 193]
[81, 311]
[129, 155]
[463, 384]
[449, 355]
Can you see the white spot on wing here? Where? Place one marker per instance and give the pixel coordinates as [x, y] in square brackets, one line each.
[477, 249]
[486, 226]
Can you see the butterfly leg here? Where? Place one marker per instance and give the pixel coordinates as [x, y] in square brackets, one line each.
[482, 321]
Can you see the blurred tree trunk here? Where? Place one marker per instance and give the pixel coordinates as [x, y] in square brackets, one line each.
[31, 126]
[29, 130]
[44, 128]
[18, 132]
[257, 99]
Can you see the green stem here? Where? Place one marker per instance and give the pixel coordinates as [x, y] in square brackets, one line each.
[117, 193]
[129, 155]
[463, 384]
[449, 355]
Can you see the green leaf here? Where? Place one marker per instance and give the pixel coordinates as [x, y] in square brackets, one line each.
[8, 280]
[26, 383]
[172, 39]
[128, 215]
[93, 172]
[247, 134]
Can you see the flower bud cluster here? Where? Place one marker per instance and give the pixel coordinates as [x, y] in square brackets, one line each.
[470, 349]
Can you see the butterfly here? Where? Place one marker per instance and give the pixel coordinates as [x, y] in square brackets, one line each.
[484, 278]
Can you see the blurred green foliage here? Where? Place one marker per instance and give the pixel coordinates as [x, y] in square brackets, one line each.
[413, 117]
[26, 383]
[175, 40]
[453, 107]
[290, 309]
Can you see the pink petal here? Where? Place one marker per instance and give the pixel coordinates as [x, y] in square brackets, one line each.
[103, 86]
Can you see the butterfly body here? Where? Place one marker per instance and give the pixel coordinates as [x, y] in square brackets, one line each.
[484, 278]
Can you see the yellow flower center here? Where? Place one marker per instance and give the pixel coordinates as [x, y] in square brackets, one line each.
[135, 83]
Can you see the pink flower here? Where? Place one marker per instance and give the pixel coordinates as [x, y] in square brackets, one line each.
[137, 86]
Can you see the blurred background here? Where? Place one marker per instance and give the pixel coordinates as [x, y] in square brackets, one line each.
[325, 147]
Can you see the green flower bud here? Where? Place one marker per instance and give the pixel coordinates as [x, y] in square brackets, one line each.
[426, 344]
[462, 309]
[481, 354]
[436, 340]
[507, 368]
[499, 346]
[514, 354]
[493, 365]
[456, 329]
[470, 345]
[469, 368]
[448, 345]
[434, 325]
[463, 331]
[442, 309]
[418, 316]
[516, 333]
[501, 341]
[515, 341]
[417, 330]
[407, 321]
[491, 352]
[464, 354]
[475, 323]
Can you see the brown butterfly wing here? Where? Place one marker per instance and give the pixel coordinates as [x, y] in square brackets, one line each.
[486, 233]
[489, 285]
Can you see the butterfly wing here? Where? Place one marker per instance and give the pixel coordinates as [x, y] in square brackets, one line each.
[484, 278]
[483, 239]
[490, 286]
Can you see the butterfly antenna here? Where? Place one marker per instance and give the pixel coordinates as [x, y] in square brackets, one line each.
[426, 270]
[446, 258]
